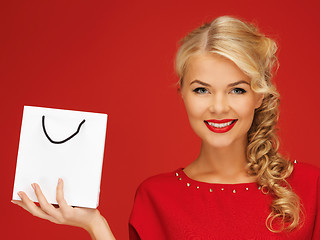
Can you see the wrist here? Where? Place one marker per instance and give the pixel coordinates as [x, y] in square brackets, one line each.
[99, 228]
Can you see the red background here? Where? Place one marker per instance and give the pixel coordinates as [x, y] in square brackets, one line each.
[117, 57]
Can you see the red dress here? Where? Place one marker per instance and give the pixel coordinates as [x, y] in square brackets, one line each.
[173, 206]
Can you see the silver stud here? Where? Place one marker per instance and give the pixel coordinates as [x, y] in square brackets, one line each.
[188, 184]
[180, 178]
[210, 190]
[222, 189]
[247, 188]
[295, 161]
[234, 191]
[198, 187]
[177, 174]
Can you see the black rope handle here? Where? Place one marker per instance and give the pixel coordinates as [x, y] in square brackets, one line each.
[67, 139]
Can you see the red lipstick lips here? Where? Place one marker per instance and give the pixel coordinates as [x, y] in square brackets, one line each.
[220, 126]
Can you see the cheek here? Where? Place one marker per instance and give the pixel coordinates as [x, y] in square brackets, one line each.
[246, 111]
[195, 107]
[196, 113]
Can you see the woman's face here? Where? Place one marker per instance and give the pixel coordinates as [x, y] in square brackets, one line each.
[219, 100]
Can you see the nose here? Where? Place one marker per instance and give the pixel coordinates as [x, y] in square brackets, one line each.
[219, 104]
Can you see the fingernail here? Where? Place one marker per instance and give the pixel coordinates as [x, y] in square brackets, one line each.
[59, 180]
[13, 202]
[20, 194]
[33, 186]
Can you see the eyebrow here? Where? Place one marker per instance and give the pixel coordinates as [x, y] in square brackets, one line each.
[229, 85]
[237, 83]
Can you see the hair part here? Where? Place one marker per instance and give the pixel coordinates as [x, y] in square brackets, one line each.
[255, 55]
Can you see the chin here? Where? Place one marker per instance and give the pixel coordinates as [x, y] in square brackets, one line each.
[219, 143]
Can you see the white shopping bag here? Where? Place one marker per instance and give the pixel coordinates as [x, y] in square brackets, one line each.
[56, 143]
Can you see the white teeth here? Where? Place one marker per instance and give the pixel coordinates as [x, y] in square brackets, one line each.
[220, 125]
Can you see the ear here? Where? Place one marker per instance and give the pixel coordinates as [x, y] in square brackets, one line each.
[260, 97]
[179, 91]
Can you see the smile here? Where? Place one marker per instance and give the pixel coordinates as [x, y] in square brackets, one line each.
[220, 126]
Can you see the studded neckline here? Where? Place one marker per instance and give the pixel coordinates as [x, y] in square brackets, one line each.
[213, 187]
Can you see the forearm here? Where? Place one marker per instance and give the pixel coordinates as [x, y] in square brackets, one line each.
[100, 230]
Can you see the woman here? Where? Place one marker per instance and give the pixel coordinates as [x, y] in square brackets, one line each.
[239, 187]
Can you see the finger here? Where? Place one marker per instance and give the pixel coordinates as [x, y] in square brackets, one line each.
[28, 205]
[15, 201]
[60, 196]
[45, 206]
[20, 204]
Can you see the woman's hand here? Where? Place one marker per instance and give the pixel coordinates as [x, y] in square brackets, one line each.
[89, 219]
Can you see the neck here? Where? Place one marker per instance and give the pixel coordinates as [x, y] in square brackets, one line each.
[224, 165]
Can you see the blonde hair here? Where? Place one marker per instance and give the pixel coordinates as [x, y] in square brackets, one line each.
[255, 55]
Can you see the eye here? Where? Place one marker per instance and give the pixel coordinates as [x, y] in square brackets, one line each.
[200, 90]
[238, 91]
